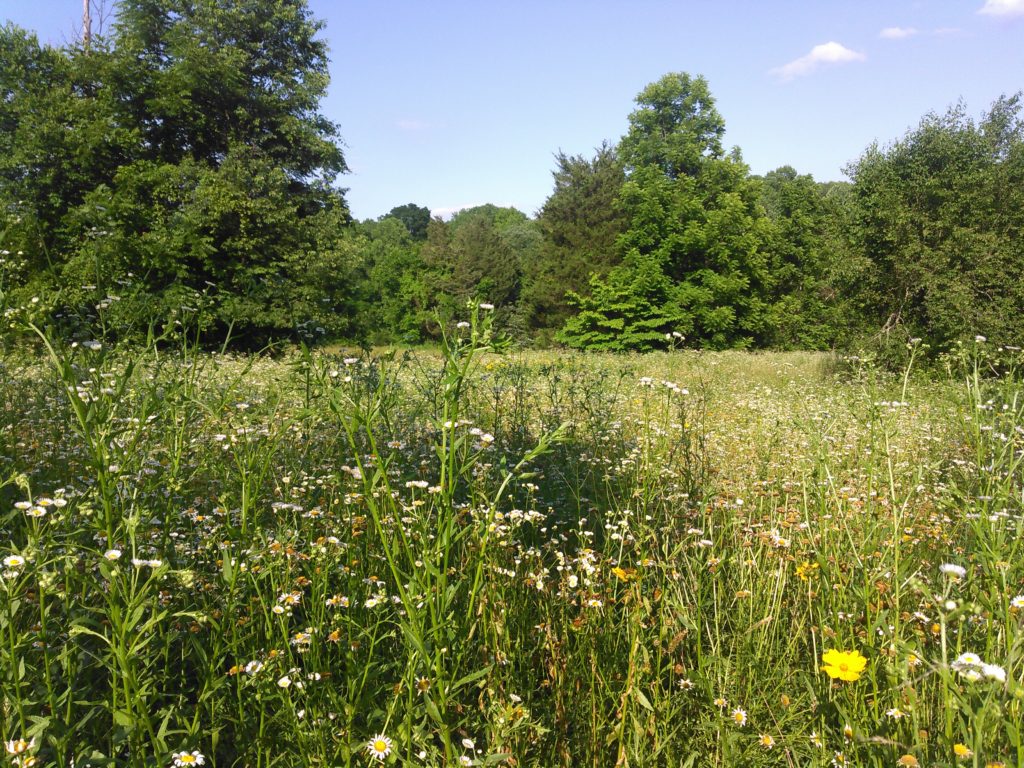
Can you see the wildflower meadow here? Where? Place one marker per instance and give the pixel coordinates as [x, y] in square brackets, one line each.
[477, 556]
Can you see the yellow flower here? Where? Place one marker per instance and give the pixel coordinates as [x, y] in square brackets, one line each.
[844, 665]
[624, 574]
[962, 751]
[806, 570]
[908, 761]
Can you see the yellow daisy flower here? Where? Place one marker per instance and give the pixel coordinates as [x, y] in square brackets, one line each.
[844, 665]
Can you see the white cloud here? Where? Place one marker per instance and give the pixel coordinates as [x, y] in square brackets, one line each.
[826, 53]
[1003, 8]
[897, 33]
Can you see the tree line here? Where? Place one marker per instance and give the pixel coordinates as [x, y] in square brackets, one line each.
[179, 170]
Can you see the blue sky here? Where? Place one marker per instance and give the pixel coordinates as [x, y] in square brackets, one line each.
[451, 104]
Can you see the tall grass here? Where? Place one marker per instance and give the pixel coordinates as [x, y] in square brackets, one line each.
[473, 558]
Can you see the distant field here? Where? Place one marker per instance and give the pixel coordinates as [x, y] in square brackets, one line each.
[531, 559]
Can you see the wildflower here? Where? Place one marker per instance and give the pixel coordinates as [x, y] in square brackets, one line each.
[379, 747]
[844, 665]
[112, 555]
[422, 684]
[286, 681]
[969, 666]
[36, 512]
[839, 760]
[955, 572]
[465, 760]
[962, 751]
[807, 570]
[721, 703]
[908, 761]
[895, 713]
[594, 602]
[253, 667]
[18, 746]
[848, 732]
[486, 307]
[1017, 604]
[194, 757]
[468, 744]
[994, 672]
[685, 683]
[739, 716]
[816, 740]
[766, 740]
[14, 561]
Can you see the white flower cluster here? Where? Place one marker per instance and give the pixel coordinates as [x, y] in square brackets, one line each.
[971, 668]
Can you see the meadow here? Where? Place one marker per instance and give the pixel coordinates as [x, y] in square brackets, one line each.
[521, 559]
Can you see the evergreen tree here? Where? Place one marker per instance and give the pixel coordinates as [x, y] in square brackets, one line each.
[580, 223]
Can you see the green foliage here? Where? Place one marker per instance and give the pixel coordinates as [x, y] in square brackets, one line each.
[187, 155]
[694, 214]
[580, 224]
[939, 216]
[414, 217]
[478, 256]
[806, 310]
[634, 308]
[393, 297]
[676, 128]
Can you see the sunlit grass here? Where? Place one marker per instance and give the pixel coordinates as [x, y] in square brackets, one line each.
[529, 559]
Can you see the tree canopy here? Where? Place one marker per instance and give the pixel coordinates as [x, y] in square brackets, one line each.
[694, 219]
[939, 216]
[180, 171]
[184, 155]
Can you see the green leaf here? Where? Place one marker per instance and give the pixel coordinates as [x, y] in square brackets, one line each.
[470, 678]
[642, 699]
